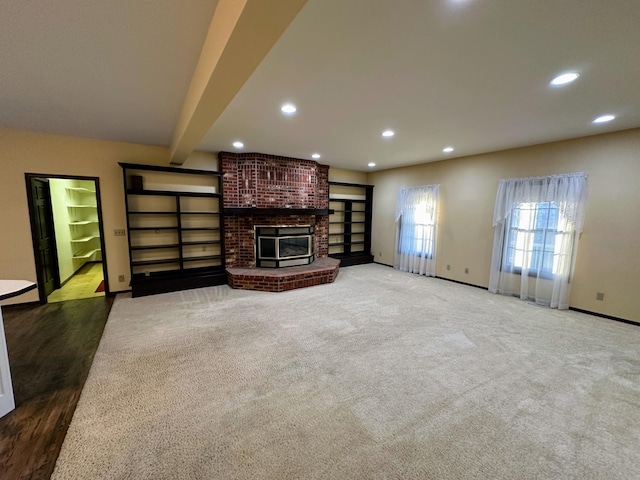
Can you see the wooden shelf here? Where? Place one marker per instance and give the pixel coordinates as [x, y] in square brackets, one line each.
[182, 200]
[353, 258]
[176, 170]
[158, 261]
[199, 213]
[172, 193]
[83, 222]
[206, 242]
[347, 200]
[84, 239]
[355, 200]
[155, 247]
[80, 189]
[173, 280]
[203, 229]
[176, 274]
[204, 257]
[153, 213]
[339, 244]
[85, 254]
[153, 228]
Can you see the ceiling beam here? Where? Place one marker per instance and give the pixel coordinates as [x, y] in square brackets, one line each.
[240, 35]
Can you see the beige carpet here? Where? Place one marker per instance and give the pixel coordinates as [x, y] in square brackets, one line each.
[382, 375]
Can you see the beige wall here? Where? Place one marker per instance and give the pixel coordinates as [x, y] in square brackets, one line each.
[25, 152]
[608, 254]
[609, 249]
[347, 176]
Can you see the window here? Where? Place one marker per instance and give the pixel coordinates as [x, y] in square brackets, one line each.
[537, 222]
[416, 217]
[534, 239]
[421, 227]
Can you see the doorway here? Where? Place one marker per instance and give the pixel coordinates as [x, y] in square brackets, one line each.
[68, 237]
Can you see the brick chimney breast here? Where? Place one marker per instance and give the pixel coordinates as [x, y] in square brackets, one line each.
[256, 180]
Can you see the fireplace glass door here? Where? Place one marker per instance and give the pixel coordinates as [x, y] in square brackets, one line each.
[284, 246]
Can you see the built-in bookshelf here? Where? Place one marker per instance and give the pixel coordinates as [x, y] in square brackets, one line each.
[175, 228]
[350, 207]
[83, 225]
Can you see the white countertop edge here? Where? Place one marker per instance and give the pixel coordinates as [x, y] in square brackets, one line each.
[13, 288]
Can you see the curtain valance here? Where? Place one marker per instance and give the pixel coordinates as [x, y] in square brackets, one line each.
[568, 191]
[409, 197]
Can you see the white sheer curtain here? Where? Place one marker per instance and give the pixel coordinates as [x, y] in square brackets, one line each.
[537, 222]
[416, 219]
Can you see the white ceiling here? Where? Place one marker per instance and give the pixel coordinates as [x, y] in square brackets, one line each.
[109, 69]
[468, 73]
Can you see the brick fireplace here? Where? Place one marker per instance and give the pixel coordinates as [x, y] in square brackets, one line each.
[261, 189]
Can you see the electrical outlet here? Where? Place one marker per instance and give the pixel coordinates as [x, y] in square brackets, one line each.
[119, 232]
[448, 267]
[599, 296]
[466, 270]
[379, 254]
[121, 278]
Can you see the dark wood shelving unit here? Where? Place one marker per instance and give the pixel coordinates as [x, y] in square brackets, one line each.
[172, 193]
[153, 228]
[351, 212]
[151, 247]
[175, 228]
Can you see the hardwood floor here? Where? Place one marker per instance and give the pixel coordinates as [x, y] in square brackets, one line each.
[51, 348]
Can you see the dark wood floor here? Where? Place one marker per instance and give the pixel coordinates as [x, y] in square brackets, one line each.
[51, 348]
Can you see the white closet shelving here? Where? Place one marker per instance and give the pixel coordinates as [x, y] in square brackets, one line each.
[83, 223]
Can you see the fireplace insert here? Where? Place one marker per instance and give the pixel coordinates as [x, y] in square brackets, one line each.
[284, 245]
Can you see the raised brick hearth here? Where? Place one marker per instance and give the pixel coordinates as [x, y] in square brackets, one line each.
[323, 270]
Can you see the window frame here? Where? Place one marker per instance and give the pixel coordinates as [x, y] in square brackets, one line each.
[537, 255]
[416, 226]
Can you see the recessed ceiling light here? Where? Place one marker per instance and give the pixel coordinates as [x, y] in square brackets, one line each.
[315, 156]
[388, 133]
[371, 164]
[447, 149]
[604, 119]
[288, 108]
[564, 78]
[238, 144]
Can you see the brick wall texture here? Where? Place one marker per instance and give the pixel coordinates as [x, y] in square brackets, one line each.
[283, 283]
[269, 181]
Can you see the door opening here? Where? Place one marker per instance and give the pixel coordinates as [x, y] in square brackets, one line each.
[75, 255]
[44, 240]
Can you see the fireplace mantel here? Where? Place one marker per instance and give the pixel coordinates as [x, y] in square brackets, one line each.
[255, 211]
